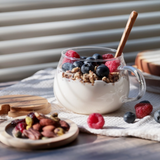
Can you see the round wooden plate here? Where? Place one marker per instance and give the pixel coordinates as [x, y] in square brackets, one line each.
[8, 139]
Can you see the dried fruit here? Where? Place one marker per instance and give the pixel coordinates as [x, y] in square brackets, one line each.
[21, 126]
[55, 118]
[16, 132]
[32, 115]
[54, 115]
[59, 131]
[27, 127]
[16, 121]
[29, 121]
[64, 125]
[40, 115]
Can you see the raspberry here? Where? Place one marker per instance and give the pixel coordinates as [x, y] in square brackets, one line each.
[143, 109]
[112, 65]
[95, 120]
[70, 53]
[107, 56]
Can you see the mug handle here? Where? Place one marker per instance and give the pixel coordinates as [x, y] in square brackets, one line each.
[142, 84]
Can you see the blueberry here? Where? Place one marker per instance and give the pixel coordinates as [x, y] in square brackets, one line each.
[102, 71]
[97, 57]
[145, 101]
[72, 66]
[83, 57]
[129, 117]
[67, 66]
[78, 64]
[89, 59]
[87, 67]
[157, 116]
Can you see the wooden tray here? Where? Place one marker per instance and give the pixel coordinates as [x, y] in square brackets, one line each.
[8, 139]
[19, 105]
[152, 82]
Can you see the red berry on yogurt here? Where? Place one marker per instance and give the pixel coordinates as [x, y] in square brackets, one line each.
[107, 56]
[96, 121]
[112, 65]
[70, 53]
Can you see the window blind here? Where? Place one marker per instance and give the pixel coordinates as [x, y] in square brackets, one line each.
[33, 32]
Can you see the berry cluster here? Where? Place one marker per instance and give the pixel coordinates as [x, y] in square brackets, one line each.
[142, 109]
[87, 64]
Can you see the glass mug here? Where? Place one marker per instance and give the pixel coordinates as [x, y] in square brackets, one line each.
[99, 96]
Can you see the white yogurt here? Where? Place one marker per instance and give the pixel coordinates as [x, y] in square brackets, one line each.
[86, 98]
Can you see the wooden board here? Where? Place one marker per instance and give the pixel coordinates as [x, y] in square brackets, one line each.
[18, 105]
[149, 62]
[8, 139]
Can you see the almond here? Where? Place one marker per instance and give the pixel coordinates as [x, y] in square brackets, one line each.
[48, 134]
[48, 128]
[32, 134]
[36, 127]
[46, 122]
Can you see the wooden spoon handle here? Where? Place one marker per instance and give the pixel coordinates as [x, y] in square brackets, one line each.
[126, 33]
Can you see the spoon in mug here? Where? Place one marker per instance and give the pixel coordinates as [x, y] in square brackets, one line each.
[126, 33]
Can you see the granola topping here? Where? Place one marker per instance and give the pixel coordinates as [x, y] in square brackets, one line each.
[90, 69]
[91, 77]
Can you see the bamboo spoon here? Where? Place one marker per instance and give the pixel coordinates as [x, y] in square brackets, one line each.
[126, 33]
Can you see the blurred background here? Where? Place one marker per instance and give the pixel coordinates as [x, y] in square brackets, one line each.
[34, 32]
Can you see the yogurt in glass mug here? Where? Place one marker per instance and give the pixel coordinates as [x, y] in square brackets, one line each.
[102, 95]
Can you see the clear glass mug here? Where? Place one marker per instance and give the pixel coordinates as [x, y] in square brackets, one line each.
[100, 96]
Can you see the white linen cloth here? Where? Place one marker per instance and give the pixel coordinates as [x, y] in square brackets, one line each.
[41, 84]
